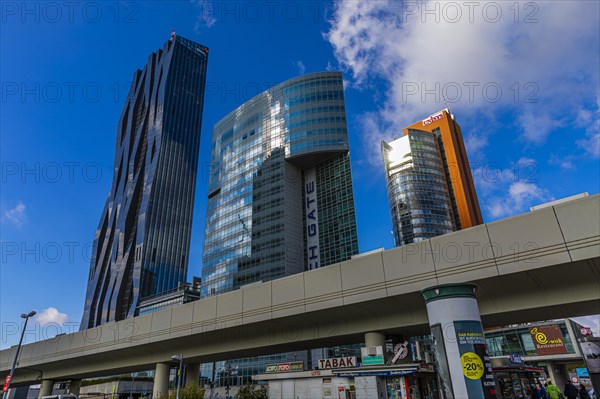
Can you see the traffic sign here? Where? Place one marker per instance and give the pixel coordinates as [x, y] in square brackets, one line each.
[574, 379]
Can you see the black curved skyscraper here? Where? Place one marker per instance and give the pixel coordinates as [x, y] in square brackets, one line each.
[142, 243]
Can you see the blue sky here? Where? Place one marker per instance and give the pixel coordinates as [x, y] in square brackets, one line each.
[522, 80]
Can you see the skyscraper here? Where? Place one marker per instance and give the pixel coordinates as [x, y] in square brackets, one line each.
[142, 242]
[280, 192]
[429, 182]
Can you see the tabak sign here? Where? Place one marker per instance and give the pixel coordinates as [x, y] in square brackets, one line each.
[285, 367]
[548, 340]
[433, 118]
[337, 362]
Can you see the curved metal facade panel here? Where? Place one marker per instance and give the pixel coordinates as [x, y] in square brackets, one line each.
[142, 242]
[264, 153]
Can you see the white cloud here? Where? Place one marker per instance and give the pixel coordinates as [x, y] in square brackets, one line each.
[16, 216]
[537, 127]
[511, 190]
[592, 322]
[565, 162]
[475, 143]
[206, 17]
[520, 197]
[590, 120]
[51, 316]
[301, 68]
[539, 61]
[591, 145]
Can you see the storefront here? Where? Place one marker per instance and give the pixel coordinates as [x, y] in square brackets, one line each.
[315, 384]
[401, 382]
[386, 382]
[515, 382]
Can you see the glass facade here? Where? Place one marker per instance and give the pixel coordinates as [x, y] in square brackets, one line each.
[142, 242]
[270, 157]
[280, 196]
[519, 340]
[418, 191]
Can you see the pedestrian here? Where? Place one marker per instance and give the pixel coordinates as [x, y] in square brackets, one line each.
[570, 390]
[583, 393]
[536, 393]
[552, 390]
[543, 391]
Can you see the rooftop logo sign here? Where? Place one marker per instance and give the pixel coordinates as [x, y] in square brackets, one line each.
[433, 118]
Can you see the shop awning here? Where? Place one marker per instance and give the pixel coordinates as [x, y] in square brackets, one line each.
[523, 369]
[380, 371]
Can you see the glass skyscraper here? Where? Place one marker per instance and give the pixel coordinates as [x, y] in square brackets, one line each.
[429, 183]
[280, 192]
[142, 242]
[419, 199]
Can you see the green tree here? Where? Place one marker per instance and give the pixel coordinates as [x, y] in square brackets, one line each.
[192, 391]
[250, 391]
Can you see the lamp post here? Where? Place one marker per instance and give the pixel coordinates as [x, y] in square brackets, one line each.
[229, 370]
[178, 358]
[131, 387]
[12, 370]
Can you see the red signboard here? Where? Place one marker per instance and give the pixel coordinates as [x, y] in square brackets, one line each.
[586, 331]
[548, 340]
[6, 383]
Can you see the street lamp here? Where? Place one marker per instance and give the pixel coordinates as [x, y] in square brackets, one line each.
[229, 370]
[12, 370]
[178, 358]
[131, 387]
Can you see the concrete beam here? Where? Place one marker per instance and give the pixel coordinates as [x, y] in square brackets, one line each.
[543, 264]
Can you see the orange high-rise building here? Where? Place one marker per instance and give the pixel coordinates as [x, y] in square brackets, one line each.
[457, 166]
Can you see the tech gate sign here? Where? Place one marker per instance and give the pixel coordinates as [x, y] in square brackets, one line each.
[337, 362]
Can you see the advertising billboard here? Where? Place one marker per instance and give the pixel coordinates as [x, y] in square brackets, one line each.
[548, 340]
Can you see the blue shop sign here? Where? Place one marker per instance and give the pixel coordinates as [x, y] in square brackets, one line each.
[582, 373]
[516, 358]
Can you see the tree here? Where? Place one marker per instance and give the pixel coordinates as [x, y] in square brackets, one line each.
[192, 391]
[250, 391]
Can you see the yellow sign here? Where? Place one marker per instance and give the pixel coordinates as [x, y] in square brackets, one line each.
[472, 366]
[540, 337]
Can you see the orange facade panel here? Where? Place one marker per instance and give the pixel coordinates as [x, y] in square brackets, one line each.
[461, 178]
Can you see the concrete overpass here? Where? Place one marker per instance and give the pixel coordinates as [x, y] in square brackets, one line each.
[539, 265]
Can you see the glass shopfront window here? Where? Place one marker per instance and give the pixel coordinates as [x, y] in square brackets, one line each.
[505, 342]
[516, 384]
[412, 387]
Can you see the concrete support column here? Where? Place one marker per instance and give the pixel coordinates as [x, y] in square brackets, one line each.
[460, 350]
[372, 339]
[161, 381]
[74, 387]
[375, 339]
[192, 372]
[46, 388]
